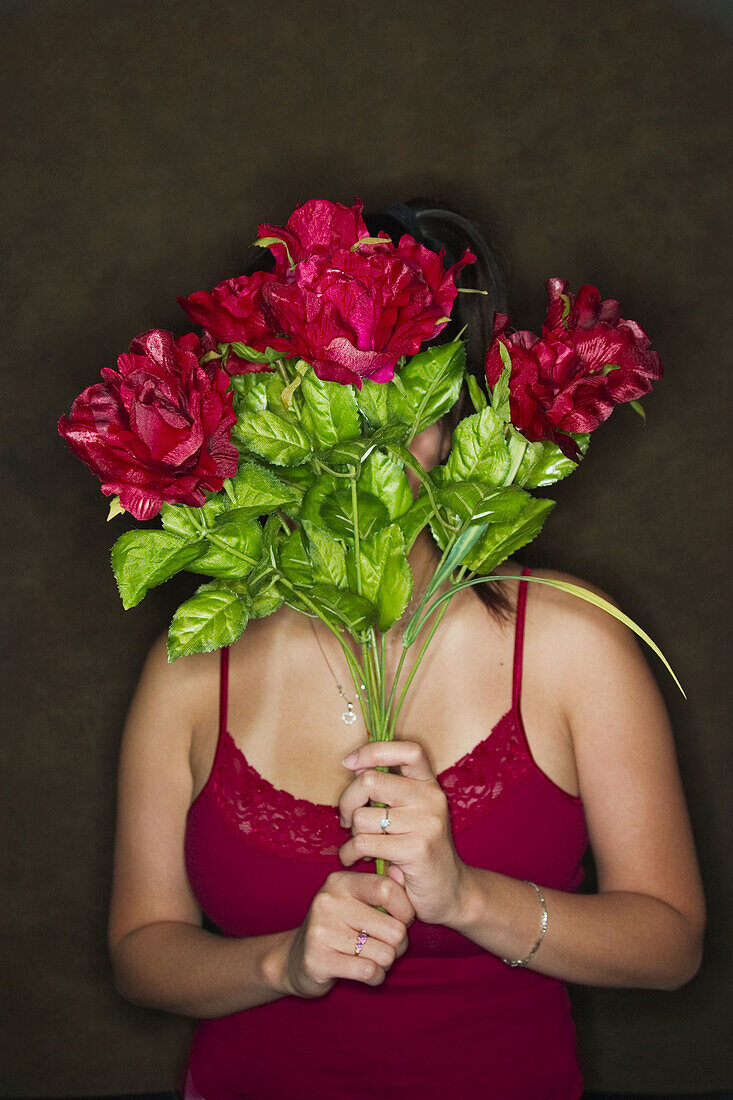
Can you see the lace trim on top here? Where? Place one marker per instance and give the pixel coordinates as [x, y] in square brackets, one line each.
[280, 823]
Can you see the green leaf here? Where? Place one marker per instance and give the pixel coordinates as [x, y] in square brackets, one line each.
[358, 450]
[500, 392]
[258, 491]
[266, 601]
[143, 559]
[214, 617]
[369, 240]
[414, 519]
[386, 577]
[286, 395]
[270, 532]
[501, 540]
[265, 242]
[262, 573]
[463, 544]
[191, 523]
[431, 381]
[340, 605]
[115, 508]
[639, 408]
[294, 560]
[478, 397]
[227, 487]
[243, 537]
[313, 500]
[274, 438]
[336, 513]
[544, 463]
[474, 500]
[250, 392]
[244, 351]
[372, 402]
[479, 452]
[327, 556]
[274, 389]
[298, 479]
[384, 477]
[330, 412]
[233, 515]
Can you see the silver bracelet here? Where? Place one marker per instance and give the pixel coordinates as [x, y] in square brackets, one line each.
[543, 929]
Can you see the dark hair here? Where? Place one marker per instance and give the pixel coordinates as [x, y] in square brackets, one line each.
[437, 225]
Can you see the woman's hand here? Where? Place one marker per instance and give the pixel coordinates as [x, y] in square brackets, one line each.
[322, 949]
[419, 842]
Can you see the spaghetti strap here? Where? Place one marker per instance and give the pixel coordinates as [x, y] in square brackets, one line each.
[519, 638]
[223, 688]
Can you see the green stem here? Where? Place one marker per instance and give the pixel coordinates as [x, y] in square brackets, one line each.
[374, 688]
[355, 520]
[295, 396]
[207, 533]
[393, 715]
[398, 673]
[413, 670]
[383, 669]
[450, 592]
[369, 673]
[517, 448]
[322, 467]
[429, 591]
[409, 459]
[378, 683]
[372, 692]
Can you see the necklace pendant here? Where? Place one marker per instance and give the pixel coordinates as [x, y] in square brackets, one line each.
[349, 715]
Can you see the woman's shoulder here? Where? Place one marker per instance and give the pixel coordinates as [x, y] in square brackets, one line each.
[557, 605]
[191, 684]
[559, 598]
[597, 660]
[582, 638]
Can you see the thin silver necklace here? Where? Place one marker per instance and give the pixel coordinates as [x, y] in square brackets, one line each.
[348, 716]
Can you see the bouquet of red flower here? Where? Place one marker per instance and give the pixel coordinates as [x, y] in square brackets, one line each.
[274, 446]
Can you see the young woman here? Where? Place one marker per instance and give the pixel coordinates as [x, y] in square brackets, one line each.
[534, 726]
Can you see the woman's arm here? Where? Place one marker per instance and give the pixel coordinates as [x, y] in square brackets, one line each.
[161, 957]
[180, 968]
[645, 925]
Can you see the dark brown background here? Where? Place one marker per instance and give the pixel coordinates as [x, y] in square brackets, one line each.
[145, 142]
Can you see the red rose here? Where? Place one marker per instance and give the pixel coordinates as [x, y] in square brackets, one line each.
[558, 385]
[233, 312]
[317, 228]
[158, 429]
[350, 312]
[601, 336]
[352, 315]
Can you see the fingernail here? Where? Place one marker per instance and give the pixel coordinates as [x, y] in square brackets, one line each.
[351, 759]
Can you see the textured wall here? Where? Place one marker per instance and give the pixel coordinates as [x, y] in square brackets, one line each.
[145, 142]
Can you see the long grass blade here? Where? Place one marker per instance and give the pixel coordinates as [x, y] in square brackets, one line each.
[597, 601]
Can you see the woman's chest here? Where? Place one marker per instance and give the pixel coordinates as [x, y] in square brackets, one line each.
[292, 732]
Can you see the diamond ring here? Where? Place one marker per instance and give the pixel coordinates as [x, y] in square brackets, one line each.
[384, 824]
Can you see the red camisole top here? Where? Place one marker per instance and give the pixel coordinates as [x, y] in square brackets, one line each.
[450, 1019]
